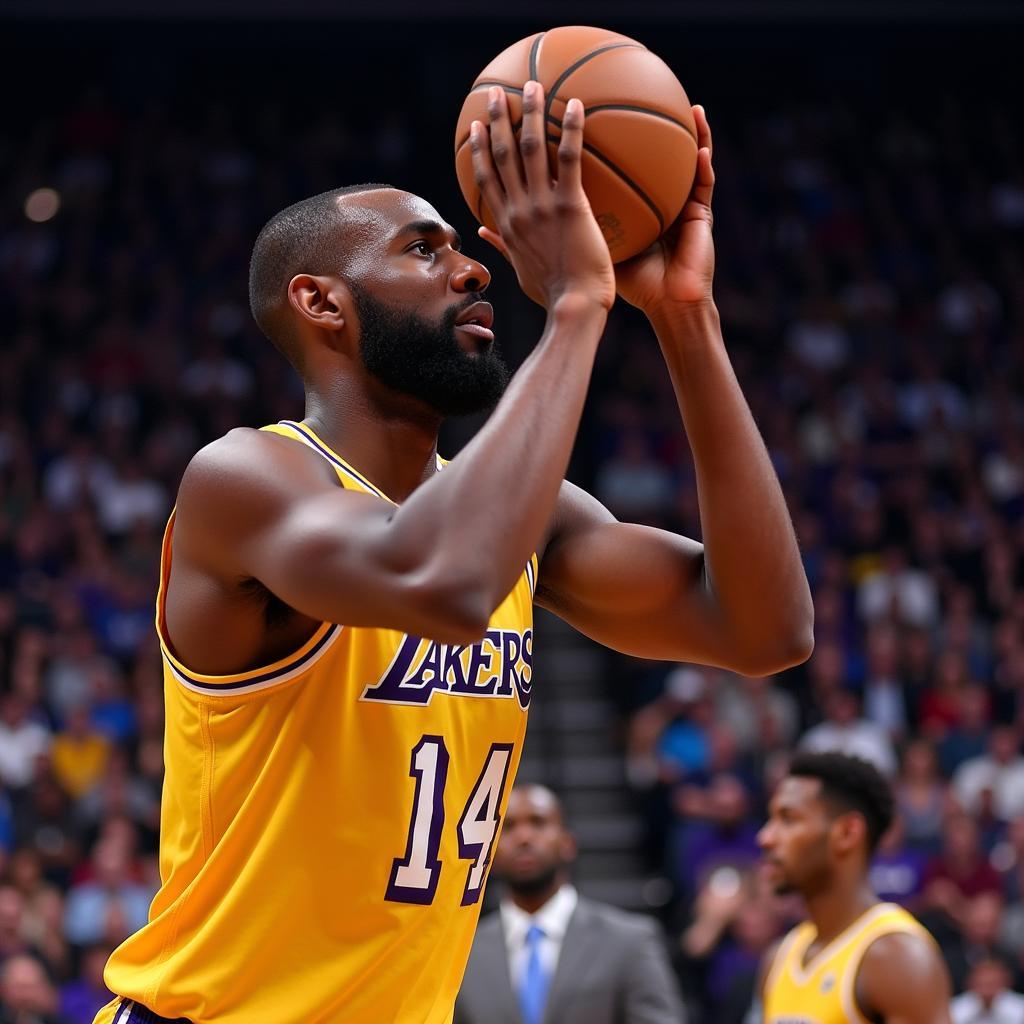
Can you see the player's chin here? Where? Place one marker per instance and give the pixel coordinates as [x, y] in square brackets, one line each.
[473, 345]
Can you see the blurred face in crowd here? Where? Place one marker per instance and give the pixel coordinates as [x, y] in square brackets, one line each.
[1004, 745]
[24, 986]
[987, 979]
[535, 847]
[919, 762]
[982, 918]
[413, 290]
[960, 839]
[727, 800]
[803, 840]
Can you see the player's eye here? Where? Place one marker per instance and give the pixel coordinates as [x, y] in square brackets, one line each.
[423, 248]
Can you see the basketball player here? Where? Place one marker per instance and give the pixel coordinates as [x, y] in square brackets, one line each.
[346, 621]
[856, 960]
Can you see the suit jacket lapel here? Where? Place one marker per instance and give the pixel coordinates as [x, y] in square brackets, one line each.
[493, 960]
[572, 960]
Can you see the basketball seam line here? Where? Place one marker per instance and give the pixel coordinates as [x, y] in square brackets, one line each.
[584, 60]
[534, 50]
[628, 180]
[643, 110]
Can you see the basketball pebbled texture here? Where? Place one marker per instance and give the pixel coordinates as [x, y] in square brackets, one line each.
[639, 138]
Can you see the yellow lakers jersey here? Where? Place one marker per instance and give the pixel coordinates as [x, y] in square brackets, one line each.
[822, 990]
[328, 820]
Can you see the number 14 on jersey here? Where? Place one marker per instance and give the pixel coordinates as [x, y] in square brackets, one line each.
[415, 875]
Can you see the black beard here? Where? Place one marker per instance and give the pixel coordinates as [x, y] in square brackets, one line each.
[423, 360]
[534, 884]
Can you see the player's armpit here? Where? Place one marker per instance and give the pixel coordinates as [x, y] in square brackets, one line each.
[253, 505]
[642, 591]
[903, 980]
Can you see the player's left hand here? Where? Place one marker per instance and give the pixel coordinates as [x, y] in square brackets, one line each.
[677, 270]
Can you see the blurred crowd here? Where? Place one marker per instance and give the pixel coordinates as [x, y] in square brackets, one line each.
[871, 283]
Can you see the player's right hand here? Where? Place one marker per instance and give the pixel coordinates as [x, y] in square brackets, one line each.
[546, 228]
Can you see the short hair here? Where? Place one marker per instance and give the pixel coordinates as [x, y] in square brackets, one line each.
[850, 784]
[301, 238]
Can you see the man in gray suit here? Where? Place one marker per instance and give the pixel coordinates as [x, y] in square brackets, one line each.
[550, 956]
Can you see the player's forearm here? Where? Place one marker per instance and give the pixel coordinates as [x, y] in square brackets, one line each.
[752, 561]
[486, 514]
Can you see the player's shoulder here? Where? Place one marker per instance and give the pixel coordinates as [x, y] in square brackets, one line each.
[909, 950]
[245, 458]
[899, 969]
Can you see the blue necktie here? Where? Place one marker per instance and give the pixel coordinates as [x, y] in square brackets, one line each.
[533, 989]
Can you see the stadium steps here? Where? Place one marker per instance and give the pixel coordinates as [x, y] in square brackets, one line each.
[573, 745]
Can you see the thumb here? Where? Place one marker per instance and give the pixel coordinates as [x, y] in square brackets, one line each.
[493, 238]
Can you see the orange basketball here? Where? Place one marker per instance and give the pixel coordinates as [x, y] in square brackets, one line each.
[639, 138]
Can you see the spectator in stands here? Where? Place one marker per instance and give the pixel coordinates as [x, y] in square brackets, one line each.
[898, 870]
[732, 928]
[22, 741]
[959, 873]
[988, 998]
[845, 731]
[549, 954]
[717, 831]
[999, 773]
[79, 753]
[13, 939]
[969, 737]
[921, 797]
[977, 939]
[883, 692]
[896, 591]
[81, 998]
[27, 995]
[43, 910]
[110, 907]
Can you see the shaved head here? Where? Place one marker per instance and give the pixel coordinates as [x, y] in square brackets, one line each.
[309, 237]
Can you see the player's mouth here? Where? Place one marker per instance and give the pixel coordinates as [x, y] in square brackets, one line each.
[473, 327]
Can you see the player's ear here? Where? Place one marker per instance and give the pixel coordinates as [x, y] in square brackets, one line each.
[569, 848]
[849, 831]
[323, 301]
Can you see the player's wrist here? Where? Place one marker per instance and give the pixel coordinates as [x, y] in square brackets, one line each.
[685, 320]
[577, 304]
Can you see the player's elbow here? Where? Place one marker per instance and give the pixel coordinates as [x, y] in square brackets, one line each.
[781, 653]
[455, 611]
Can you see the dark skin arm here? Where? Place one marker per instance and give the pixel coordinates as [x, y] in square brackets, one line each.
[902, 980]
[740, 600]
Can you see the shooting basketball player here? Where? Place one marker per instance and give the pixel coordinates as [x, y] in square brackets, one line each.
[856, 960]
[346, 621]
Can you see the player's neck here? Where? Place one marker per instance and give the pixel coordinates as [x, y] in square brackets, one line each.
[836, 908]
[395, 452]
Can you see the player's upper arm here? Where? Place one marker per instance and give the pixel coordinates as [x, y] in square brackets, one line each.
[637, 589]
[903, 980]
[254, 505]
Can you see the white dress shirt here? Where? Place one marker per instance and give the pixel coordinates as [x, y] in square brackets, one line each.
[552, 919]
[1006, 1008]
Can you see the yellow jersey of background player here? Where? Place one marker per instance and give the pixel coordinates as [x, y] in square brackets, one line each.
[856, 960]
[347, 630]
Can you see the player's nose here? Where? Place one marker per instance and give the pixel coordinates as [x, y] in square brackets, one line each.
[469, 275]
